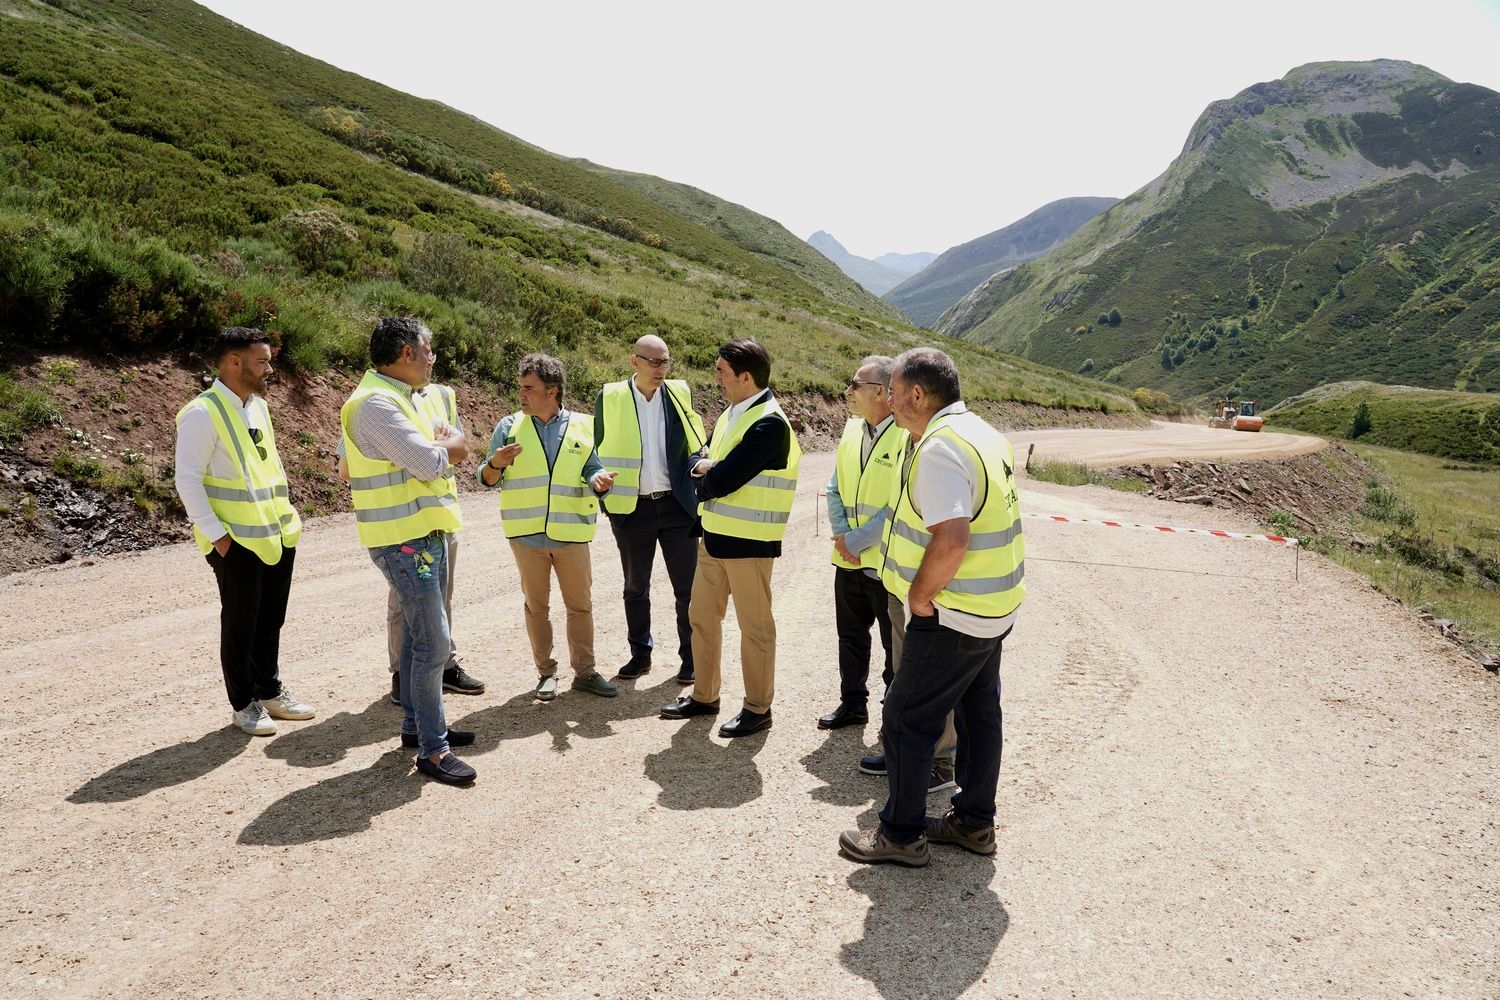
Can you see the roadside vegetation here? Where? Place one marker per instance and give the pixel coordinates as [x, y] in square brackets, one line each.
[1078, 474]
[1460, 426]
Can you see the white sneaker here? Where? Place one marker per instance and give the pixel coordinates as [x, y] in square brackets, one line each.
[254, 720]
[286, 706]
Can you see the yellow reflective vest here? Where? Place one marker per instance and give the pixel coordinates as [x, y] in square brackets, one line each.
[866, 487]
[392, 506]
[990, 581]
[442, 405]
[551, 498]
[620, 451]
[760, 509]
[256, 507]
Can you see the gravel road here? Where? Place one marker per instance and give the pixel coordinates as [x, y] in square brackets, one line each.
[1218, 782]
[1163, 441]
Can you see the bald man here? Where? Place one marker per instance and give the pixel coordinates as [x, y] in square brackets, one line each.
[647, 432]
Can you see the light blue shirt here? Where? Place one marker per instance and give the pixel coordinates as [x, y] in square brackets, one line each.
[867, 534]
[551, 433]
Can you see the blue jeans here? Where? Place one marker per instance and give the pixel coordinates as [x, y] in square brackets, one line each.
[425, 640]
[941, 671]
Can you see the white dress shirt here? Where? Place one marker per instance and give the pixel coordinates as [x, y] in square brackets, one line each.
[201, 452]
[651, 416]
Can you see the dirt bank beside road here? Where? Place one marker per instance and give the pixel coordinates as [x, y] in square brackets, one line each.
[1218, 782]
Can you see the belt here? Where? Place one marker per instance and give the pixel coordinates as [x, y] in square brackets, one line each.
[659, 494]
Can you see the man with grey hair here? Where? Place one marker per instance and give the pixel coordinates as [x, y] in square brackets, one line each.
[953, 552]
[543, 461]
[405, 506]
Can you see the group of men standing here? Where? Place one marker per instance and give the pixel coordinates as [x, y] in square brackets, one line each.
[922, 504]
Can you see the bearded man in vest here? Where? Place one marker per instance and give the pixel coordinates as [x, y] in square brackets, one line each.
[405, 506]
[746, 481]
[647, 433]
[954, 553]
[234, 489]
[543, 461]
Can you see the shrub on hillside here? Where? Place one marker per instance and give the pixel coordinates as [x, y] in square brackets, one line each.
[1360, 425]
[319, 239]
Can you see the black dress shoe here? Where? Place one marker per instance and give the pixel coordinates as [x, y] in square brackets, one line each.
[685, 675]
[842, 716]
[456, 738]
[745, 723]
[634, 668]
[686, 707]
[448, 769]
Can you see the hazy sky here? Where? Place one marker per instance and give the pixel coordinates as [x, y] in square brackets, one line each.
[896, 127]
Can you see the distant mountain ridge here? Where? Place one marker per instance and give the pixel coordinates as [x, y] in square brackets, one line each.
[1340, 223]
[876, 276]
[957, 271]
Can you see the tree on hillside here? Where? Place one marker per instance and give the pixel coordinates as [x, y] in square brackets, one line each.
[1114, 317]
[1361, 423]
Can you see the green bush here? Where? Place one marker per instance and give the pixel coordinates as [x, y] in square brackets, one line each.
[1383, 504]
[22, 410]
[1360, 425]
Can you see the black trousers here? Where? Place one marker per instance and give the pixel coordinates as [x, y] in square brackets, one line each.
[253, 600]
[859, 602]
[656, 522]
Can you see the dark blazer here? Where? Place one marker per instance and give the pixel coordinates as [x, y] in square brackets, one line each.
[766, 445]
[682, 444]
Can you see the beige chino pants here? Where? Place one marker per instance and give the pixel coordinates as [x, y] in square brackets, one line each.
[748, 582]
[575, 579]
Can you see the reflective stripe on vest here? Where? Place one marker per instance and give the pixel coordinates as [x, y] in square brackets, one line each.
[990, 581]
[392, 506]
[620, 450]
[758, 510]
[538, 497]
[255, 509]
[865, 487]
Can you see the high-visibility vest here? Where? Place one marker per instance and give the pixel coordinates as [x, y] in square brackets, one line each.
[866, 487]
[990, 581]
[442, 405]
[255, 507]
[758, 510]
[392, 506]
[551, 498]
[620, 451]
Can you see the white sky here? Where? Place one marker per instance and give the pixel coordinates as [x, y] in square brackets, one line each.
[896, 127]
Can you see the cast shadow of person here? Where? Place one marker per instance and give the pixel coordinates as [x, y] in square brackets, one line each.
[928, 934]
[572, 714]
[836, 764]
[339, 806]
[329, 740]
[695, 772]
[164, 767]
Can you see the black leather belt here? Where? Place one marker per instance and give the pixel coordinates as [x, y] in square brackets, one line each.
[659, 494]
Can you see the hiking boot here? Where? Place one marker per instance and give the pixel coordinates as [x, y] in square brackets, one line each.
[942, 777]
[546, 688]
[595, 684]
[870, 847]
[254, 720]
[287, 706]
[457, 680]
[948, 830]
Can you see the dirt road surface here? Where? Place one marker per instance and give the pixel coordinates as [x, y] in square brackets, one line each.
[1162, 442]
[1218, 782]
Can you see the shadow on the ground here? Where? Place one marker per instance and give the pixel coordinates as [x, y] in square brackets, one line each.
[329, 740]
[695, 772]
[338, 806]
[928, 933]
[164, 767]
[572, 714]
[836, 764]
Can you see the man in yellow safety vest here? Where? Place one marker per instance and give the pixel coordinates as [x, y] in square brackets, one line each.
[954, 553]
[405, 506]
[746, 480]
[234, 489]
[543, 461]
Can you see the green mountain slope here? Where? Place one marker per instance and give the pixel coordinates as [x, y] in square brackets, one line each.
[762, 236]
[1340, 223]
[956, 272]
[164, 172]
[1458, 425]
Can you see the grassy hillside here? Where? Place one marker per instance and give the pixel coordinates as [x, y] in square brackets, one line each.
[762, 236]
[1336, 225]
[164, 172]
[926, 295]
[1463, 426]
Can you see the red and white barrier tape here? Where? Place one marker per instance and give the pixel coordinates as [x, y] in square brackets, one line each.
[1166, 529]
